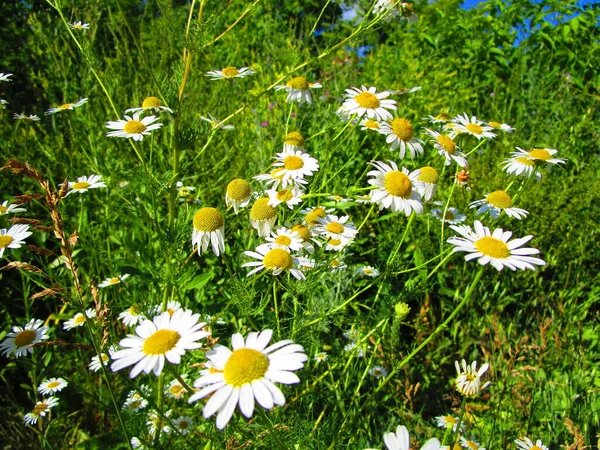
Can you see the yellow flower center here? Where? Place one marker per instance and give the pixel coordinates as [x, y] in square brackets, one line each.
[285, 195]
[535, 447]
[261, 210]
[53, 384]
[450, 419]
[278, 258]
[5, 240]
[80, 185]
[239, 190]
[335, 242]
[335, 227]
[442, 116]
[278, 173]
[78, 319]
[313, 216]
[77, 26]
[151, 102]
[367, 100]
[293, 162]
[472, 445]
[303, 232]
[24, 337]
[208, 219]
[176, 389]
[334, 263]
[283, 240]
[161, 342]
[373, 124]
[403, 129]
[295, 139]
[499, 199]
[3, 209]
[526, 161]
[40, 408]
[134, 127]
[447, 144]
[230, 71]
[540, 153]
[429, 175]
[495, 124]
[449, 215]
[244, 366]
[115, 280]
[493, 247]
[299, 83]
[474, 128]
[397, 184]
[134, 310]
[65, 106]
[184, 424]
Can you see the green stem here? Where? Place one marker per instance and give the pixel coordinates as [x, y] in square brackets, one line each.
[395, 252]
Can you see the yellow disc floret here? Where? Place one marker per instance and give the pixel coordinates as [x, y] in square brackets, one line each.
[5, 240]
[499, 199]
[429, 175]
[134, 127]
[261, 210]
[293, 162]
[283, 240]
[474, 128]
[208, 219]
[299, 83]
[81, 185]
[367, 100]
[295, 139]
[496, 125]
[526, 161]
[24, 337]
[313, 217]
[446, 143]
[493, 247]
[151, 102]
[373, 124]
[230, 71]
[53, 384]
[303, 232]
[397, 184]
[65, 106]
[244, 366]
[540, 153]
[443, 116]
[278, 258]
[161, 342]
[403, 129]
[40, 408]
[335, 227]
[239, 190]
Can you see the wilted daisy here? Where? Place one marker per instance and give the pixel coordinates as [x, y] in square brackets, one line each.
[370, 124]
[163, 337]
[320, 357]
[394, 188]
[428, 180]
[21, 339]
[312, 215]
[440, 118]
[274, 260]
[79, 26]
[494, 248]
[40, 409]
[395, 8]
[452, 215]
[378, 371]
[446, 147]
[335, 227]
[501, 126]
[263, 216]
[400, 440]
[468, 382]
[67, 106]
[112, 281]
[214, 123]
[361, 101]
[298, 90]
[472, 126]
[247, 374]
[295, 164]
[158, 422]
[14, 237]
[153, 104]
[238, 194]
[84, 183]
[471, 445]
[368, 271]
[405, 91]
[449, 422]
[290, 196]
[293, 141]
[209, 227]
[229, 73]
[539, 156]
[25, 118]
[52, 385]
[5, 77]
[135, 400]
[133, 127]
[527, 444]
[184, 424]
[496, 202]
[175, 389]
[79, 319]
[285, 238]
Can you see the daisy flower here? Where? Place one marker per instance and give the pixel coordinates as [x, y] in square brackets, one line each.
[214, 123]
[21, 339]
[395, 8]
[520, 165]
[527, 444]
[447, 148]
[335, 227]
[290, 196]
[440, 118]
[263, 216]
[163, 337]
[209, 227]
[97, 362]
[501, 126]
[112, 281]
[378, 372]
[312, 215]
[293, 141]
[274, 260]
[471, 445]
[79, 26]
[449, 422]
[400, 440]
[5, 77]
[40, 409]
[472, 126]
[370, 124]
[152, 104]
[468, 382]
[359, 351]
[133, 127]
[184, 191]
[494, 248]
[452, 215]
[79, 319]
[305, 237]
[428, 182]
[394, 188]
[539, 156]
[337, 244]
[298, 90]
[361, 101]
[229, 73]
[14, 237]
[285, 238]
[495, 203]
[295, 164]
[158, 422]
[2, 103]
[368, 271]
[238, 194]
[172, 307]
[274, 179]
[136, 401]
[131, 316]
[400, 134]
[337, 265]
[25, 118]
[67, 106]
[175, 389]
[84, 183]
[247, 374]
[52, 385]
[343, 114]
[320, 357]
[184, 424]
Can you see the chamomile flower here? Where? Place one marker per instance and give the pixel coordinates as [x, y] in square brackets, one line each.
[353, 347]
[298, 90]
[97, 362]
[370, 124]
[84, 183]
[428, 180]
[337, 244]
[501, 126]
[136, 401]
[447, 148]
[468, 382]
[112, 281]
[395, 8]
[275, 260]
[400, 134]
[14, 237]
[312, 215]
[238, 194]
[343, 114]
[5, 77]
[25, 118]
[229, 73]
[471, 445]
[21, 339]
[176, 390]
[79, 319]
[452, 215]
[496, 202]
[449, 422]
[472, 126]
[305, 237]
[247, 375]
[539, 156]
[184, 424]
[494, 247]
[209, 228]
[164, 337]
[440, 118]
[214, 123]
[156, 422]
[527, 444]
[133, 127]
[394, 188]
[321, 357]
[52, 385]
[67, 106]
[290, 196]
[335, 227]
[400, 440]
[184, 191]
[40, 409]
[285, 238]
[336, 265]
[131, 316]
[79, 25]
[293, 141]
[368, 271]
[172, 307]
[2, 103]
[152, 104]
[295, 164]
[263, 216]
[274, 179]
[378, 371]
[362, 101]
[519, 165]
